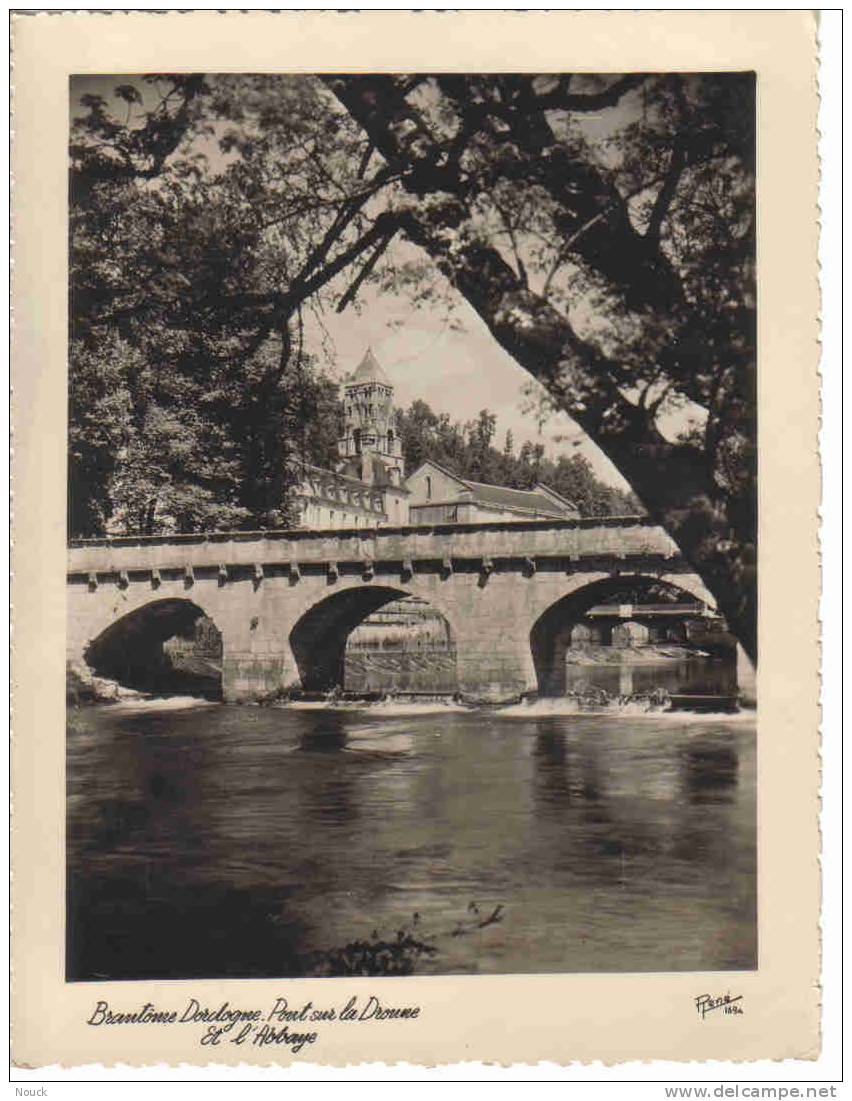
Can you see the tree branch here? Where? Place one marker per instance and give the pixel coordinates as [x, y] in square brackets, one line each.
[513, 241]
[380, 228]
[560, 98]
[403, 137]
[589, 209]
[365, 272]
[663, 202]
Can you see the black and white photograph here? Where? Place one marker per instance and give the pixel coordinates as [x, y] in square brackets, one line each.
[412, 524]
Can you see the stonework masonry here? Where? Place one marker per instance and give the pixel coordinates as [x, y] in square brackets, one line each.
[491, 582]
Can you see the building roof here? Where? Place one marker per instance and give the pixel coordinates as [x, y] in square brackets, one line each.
[369, 370]
[557, 498]
[308, 470]
[542, 499]
[503, 496]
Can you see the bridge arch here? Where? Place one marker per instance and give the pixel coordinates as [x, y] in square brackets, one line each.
[131, 650]
[318, 639]
[565, 621]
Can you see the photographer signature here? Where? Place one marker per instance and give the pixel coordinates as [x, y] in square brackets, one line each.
[728, 1003]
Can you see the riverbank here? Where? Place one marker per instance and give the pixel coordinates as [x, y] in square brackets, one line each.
[83, 688]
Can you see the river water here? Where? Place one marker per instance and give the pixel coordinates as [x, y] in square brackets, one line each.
[209, 840]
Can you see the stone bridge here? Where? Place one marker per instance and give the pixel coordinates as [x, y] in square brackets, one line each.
[286, 601]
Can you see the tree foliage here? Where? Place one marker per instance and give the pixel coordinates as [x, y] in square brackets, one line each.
[192, 398]
[467, 450]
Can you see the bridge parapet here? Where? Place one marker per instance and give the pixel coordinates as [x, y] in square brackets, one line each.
[609, 537]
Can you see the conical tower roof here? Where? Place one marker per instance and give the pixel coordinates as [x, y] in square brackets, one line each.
[369, 370]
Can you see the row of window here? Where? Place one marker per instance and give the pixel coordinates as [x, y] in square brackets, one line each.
[338, 493]
[315, 516]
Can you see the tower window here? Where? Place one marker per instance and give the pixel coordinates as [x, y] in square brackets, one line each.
[356, 436]
[390, 439]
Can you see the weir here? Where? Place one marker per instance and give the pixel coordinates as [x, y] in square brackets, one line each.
[285, 602]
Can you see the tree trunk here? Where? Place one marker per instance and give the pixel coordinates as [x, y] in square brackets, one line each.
[676, 482]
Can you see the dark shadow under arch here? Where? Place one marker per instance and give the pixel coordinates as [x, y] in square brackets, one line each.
[131, 650]
[550, 636]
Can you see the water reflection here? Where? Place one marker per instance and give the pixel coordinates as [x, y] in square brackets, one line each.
[696, 675]
[237, 841]
[710, 770]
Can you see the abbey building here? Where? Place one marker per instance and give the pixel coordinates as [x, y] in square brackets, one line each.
[369, 487]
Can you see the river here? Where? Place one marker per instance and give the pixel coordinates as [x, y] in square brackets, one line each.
[213, 840]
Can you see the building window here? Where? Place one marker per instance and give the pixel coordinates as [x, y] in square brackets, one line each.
[331, 516]
[390, 440]
[428, 487]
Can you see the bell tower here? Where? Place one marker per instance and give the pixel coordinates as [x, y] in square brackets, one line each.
[370, 445]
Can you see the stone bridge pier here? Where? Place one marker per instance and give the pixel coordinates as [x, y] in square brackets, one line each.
[285, 602]
[299, 637]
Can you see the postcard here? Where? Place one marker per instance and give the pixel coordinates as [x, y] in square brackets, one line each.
[415, 545]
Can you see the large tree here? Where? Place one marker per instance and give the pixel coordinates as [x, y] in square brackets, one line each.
[604, 231]
[601, 227]
[193, 400]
